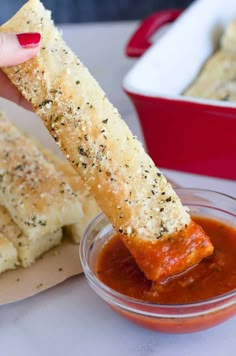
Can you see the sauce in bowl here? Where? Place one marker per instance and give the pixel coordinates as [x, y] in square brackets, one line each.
[214, 276]
[200, 298]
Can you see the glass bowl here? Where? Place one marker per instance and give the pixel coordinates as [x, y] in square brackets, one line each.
[171, 318]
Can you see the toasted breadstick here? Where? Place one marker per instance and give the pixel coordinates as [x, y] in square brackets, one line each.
[8, 254]
[28, 249]
[228, 40]
[38, 198]
[216, 79]
[89, 205]
[123, 179]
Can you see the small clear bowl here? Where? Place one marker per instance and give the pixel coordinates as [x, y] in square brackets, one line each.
[177, 318]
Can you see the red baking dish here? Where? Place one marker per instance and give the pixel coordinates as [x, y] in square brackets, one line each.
[185, 134]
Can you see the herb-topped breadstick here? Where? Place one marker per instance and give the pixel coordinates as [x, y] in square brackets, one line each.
[37, 196]
[128, 187]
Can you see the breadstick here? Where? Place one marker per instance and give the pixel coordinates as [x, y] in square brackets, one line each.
[8, 254]
[28, 248]
[228, 40]
[123, 179]
[89, 205]
[38, 198]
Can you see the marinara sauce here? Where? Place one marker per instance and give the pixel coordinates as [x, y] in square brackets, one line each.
[215, 275]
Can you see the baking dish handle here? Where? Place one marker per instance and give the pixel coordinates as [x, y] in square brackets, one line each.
[140, 40]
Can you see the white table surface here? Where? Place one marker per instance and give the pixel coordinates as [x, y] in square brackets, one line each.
[70, 320]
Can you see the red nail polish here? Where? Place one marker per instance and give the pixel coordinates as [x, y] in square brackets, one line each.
[29, 40]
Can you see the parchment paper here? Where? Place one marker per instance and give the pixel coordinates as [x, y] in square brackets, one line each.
[51, 269]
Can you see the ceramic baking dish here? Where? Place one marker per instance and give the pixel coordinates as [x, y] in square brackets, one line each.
[185, 134]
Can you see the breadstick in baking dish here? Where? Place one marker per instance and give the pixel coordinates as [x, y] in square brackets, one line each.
[132, 192]
[228, 40]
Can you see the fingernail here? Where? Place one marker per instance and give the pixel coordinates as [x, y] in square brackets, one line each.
[29, 40]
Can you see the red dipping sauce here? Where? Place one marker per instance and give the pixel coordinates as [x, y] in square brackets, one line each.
[198, 299]
[214, 276]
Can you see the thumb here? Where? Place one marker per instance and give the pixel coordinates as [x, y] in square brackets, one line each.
[18, 48]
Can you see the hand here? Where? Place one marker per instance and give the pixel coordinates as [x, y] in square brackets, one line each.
[16, 49]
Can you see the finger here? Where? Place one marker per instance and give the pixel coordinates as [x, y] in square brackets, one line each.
[10, 92]
[18, 48]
